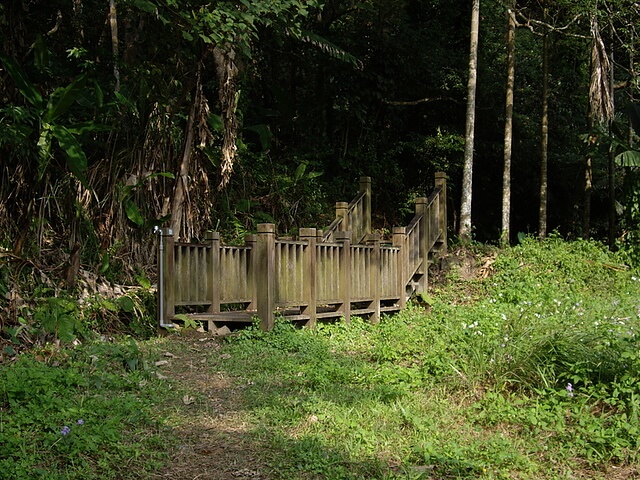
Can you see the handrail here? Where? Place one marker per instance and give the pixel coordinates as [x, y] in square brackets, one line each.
[356, 213]
[320, 275]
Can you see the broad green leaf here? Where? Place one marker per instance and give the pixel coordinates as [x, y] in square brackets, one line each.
[264, 132]
[300, 172]
[99, 94]
[44, 150]
[215, 122]
[160, 174]
[126, 304]
[326, 46]
[145, 6]
[27, 89]
[76, 159]
[41, 53]
[628, 158]
[133, 212]
[90, 126]
[104, 263]
[63, 98]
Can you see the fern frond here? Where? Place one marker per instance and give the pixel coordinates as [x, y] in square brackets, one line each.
[327, 47]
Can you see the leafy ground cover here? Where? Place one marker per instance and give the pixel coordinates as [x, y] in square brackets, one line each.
[80, 413]
[526, 366]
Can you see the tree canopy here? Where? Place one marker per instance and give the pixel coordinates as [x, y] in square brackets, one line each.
[120, 116]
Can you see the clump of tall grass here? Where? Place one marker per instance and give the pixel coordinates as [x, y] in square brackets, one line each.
[555, 312]
[546, 346]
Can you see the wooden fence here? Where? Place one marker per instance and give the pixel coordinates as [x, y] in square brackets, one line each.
[342, 271]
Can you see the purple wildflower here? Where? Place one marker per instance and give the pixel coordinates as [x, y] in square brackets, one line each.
[570, 389]
[80, 422]
[65, 430]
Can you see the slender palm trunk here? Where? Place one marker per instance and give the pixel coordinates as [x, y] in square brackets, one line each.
[612, 163]
[113, 21]
[467, 172]
[544, 141]
[508, 127]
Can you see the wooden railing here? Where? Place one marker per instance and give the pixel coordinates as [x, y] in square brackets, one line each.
[354, 217]
[320, 275]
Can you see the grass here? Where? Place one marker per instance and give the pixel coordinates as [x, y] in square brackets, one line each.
[530, 371]
[81, 413]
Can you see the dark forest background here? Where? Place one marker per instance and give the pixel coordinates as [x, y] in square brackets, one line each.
[117, 117]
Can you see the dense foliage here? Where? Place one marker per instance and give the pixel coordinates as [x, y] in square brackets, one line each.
[469, 386]
[84, 413]
[534, 342]
[117, 117]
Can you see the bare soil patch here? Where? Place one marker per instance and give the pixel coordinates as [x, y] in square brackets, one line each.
[214, 440]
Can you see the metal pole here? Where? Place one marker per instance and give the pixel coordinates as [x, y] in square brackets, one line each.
[161, 281]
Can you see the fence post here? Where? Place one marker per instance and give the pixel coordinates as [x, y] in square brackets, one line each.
[213, 273]
[441, 182]
[376, 280]
[344, 238]
[342, 209]
[365, 186]
[400, 241]
[421, 209]
[309, 274]
[251, 241]
[265, 278]
[166, 290]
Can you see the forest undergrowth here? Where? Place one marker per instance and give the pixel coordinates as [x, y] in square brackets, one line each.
[518, 363]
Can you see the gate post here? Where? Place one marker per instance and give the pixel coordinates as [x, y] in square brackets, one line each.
[376, 280]
[213, 273]
[365, 186]
[266, 272]
[400, 241]
[309, 236]
[251, 241]
[441, 183]
[344, 238]
[341, 212]
[166, 290]
[421, 209]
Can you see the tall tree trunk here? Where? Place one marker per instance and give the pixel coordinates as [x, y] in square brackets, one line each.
[76, 21]
[113, 21]
[181, 190]
[180, 204]
[612, 164]
[544, 141]
[508, 125]
[467, 172]
[588, 186]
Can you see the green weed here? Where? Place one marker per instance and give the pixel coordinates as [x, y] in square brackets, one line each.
[84, 413]
[544, 348]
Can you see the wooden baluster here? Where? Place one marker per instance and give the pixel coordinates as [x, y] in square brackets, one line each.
[166, 278]
[344, 238]
[309, 236]
[441, 183]
[213, 274]
[400, 241]
[265, 278]
[376, 281]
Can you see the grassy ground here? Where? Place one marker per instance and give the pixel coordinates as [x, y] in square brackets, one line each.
[525, 365]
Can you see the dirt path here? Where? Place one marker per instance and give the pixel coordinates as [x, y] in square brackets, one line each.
[213, 440]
